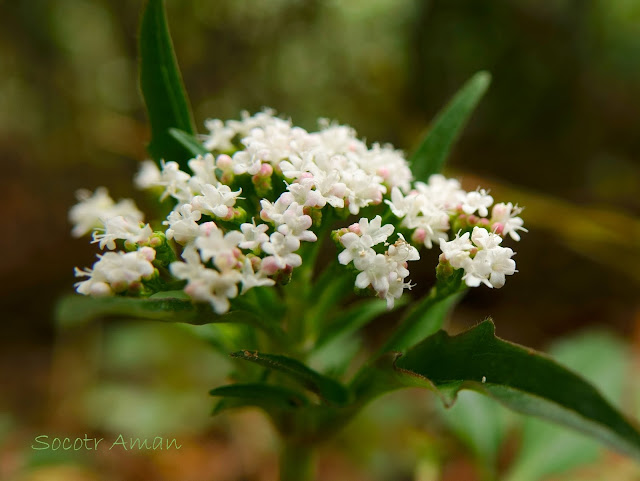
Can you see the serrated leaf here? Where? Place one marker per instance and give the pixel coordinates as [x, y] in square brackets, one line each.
[266, 396]
[328, 389]
[189, 142]
[547, 450]
[423, 319]
[446, 128]
[162, 87]
[521, 379]
[168, 306]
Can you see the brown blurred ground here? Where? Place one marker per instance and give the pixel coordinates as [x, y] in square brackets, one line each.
[558, 132]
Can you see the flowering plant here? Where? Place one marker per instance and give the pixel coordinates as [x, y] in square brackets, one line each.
[254, 208]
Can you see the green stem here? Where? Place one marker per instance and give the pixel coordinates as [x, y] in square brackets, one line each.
[297, 462]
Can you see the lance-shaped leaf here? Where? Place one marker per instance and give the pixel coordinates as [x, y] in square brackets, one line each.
[170, 306]
[162, 88]
[434, 149]
[521, 379]
[265, 396]
[326, 388]
[189, 142]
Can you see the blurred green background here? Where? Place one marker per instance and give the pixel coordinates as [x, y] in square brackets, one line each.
[558, 132]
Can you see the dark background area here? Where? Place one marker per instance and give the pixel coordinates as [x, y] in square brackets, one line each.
[558, 132]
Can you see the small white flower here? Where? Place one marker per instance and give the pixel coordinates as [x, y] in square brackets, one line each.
[175, 182]
[221, 248]
[204, 284]
[505, 220]
[216, 200]
[304, 194]
[116, 272]
[183, 224]
[273, 212]
[477, 201]
[219, 137]
[281, 250]
[402, 251]
[250, 279]
[490, 266]
[204, 172]
[148, 176]
[357, 249]
[92, 208]
[379, 233]
[254, 235]
[484, 239]
[295, 223]
[457, 250]
[121, 228]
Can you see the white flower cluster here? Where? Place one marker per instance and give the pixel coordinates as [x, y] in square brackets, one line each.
[285, 179]
[117, 272]
[428, 208]
[483, 259]
[386, 272]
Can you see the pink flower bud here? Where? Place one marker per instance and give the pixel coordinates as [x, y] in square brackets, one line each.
[419, 235]
[265, 170]
[484, 222]
[148, 253]
[383, 172]
[355, 228]
[498, 228]
[269, 265]
[208, 227]
[224, 162]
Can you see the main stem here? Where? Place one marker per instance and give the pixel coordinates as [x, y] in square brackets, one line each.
[297, 462]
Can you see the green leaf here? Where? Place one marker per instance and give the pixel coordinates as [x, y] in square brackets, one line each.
[260, 395]
[326, 388]
[547, 450]
[423, 319]
[353, 318]
[434, 149]
[170, 306]
[162, 87]
[481, 424]
[189, 142]
[521, 379]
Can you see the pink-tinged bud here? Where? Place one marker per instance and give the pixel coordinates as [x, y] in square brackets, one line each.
[227, 177]
[306, 175]
[230, 213]
[498, 228]
[484, 222]
[120, 286]
[473, 251]
[377, 198]
[499, 211]
[224, 162]
[148, 253]
[255, 263]
[264, 216]
[473, 219]
[265, 170]
[208, 227]
[269, 265]
[419, 235]
[355, 228]
[442, 258]
[383, 172]
[155, 241]
[190, 290]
